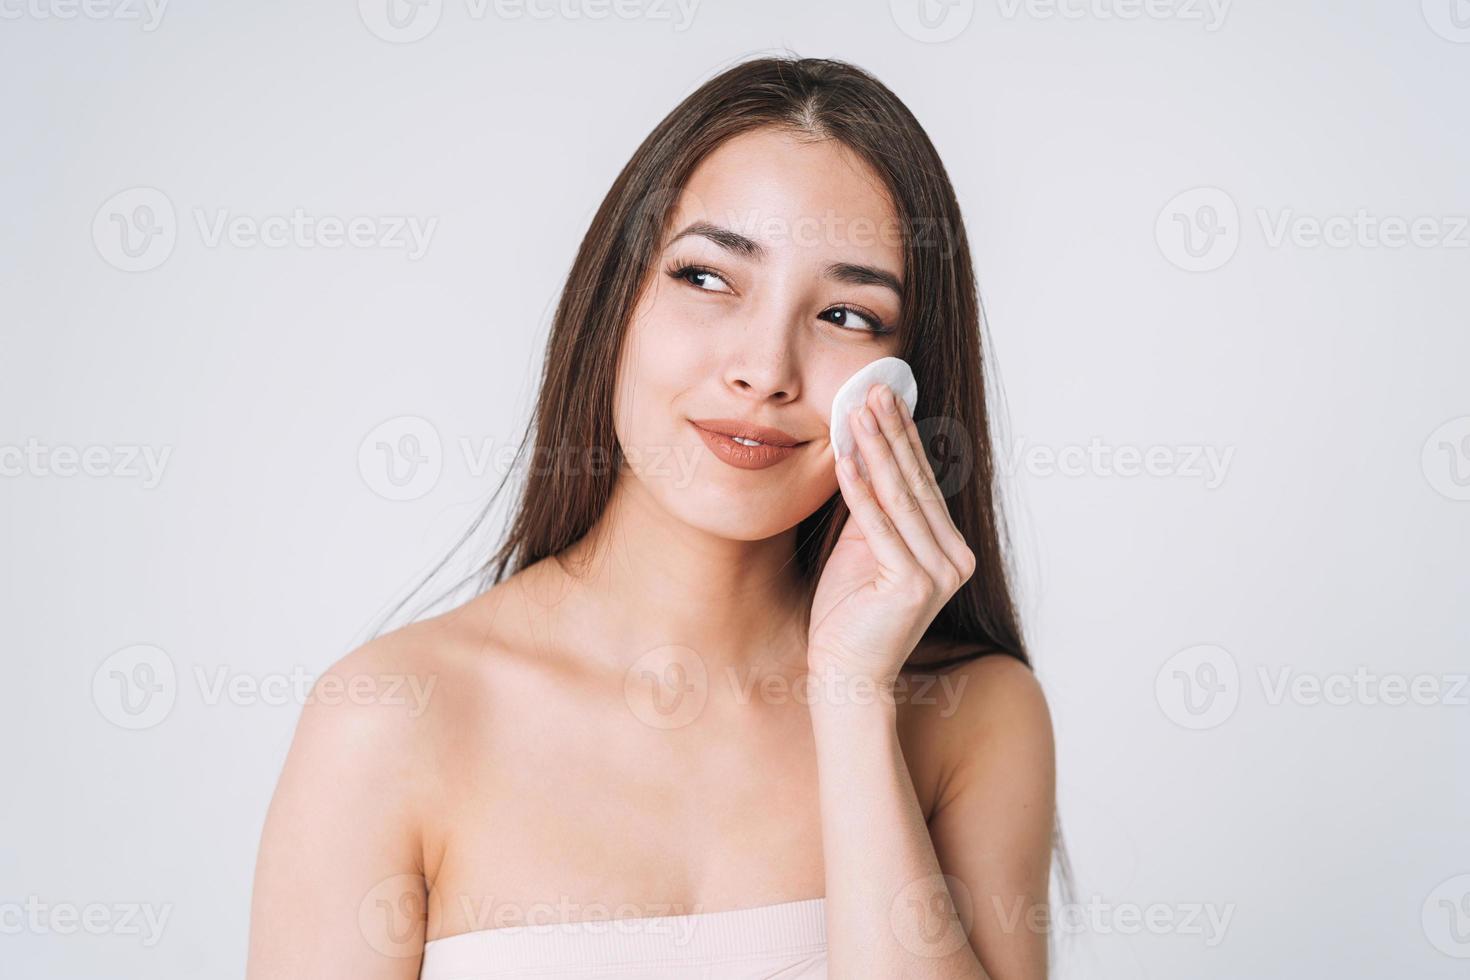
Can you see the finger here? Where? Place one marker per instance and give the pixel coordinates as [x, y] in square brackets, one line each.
[935, 503]
[948, 561]
[893, 491]
[916, 472]
[882, 535]
[948, 534]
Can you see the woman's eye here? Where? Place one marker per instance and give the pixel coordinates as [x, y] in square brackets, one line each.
[699, 277]
[844, 316]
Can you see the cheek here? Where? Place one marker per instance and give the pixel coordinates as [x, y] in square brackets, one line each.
[663, 357]
[829, 376]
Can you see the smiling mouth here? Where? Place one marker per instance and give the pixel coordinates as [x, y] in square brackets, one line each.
[749, 432]
[745, 453]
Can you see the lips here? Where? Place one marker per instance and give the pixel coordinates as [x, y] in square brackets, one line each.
[720, 435]
[748, 430]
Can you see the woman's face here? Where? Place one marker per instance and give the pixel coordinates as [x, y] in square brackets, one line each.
[790, 252]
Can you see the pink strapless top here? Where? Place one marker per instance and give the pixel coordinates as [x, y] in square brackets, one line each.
[787, 941]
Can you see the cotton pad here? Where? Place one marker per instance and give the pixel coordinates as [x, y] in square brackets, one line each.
[892, 371]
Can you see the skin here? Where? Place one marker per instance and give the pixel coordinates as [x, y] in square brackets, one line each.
[537, 780]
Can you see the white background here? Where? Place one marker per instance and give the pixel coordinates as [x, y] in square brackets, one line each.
[1336, 378]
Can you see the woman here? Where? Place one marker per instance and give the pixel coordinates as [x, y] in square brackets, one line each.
[737, 711]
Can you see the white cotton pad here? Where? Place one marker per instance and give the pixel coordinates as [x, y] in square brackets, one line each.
[892, 371]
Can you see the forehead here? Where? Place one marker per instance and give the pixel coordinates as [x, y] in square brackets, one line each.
[783, 191]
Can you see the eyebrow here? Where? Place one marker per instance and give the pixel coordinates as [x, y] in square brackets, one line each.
[849, 272]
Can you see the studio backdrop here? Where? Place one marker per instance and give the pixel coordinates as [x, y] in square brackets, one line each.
[275, 284]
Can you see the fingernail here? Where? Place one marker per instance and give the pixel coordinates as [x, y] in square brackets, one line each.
[866, 418]
[885, 397]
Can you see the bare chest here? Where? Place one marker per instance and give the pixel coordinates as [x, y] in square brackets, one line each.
[599, 816]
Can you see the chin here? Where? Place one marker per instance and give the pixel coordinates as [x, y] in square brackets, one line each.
[728, 503]
[725, 512]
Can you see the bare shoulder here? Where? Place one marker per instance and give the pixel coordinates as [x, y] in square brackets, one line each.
[984, 719]
[358, 729]
[382, 711]
[380, 692]
[993, 802]
[986, 692]
[353, 816]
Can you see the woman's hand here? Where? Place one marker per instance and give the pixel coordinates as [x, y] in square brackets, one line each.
[899, 558]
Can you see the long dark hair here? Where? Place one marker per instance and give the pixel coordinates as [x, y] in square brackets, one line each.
[814, 99]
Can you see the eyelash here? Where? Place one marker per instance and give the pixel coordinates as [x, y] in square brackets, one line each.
[681, 271]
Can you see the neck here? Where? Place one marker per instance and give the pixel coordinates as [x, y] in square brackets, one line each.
[644, 580]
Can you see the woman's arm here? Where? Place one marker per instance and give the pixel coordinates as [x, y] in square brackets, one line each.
[909, 900]
[339, 886]
[902, 902]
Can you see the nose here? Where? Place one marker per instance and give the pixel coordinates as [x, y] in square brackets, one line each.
[763, 365]
[758, 385]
